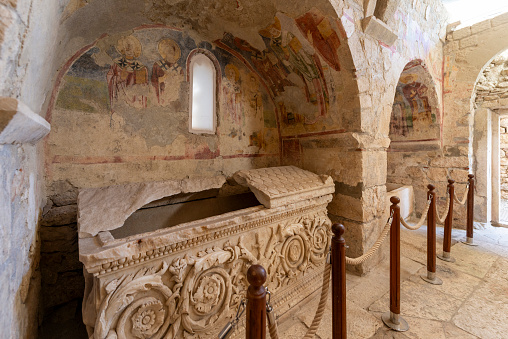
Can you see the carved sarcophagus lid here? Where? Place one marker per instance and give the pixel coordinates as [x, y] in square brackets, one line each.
[279, 186]
[169, 259]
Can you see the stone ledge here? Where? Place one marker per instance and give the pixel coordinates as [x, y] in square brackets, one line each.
[379, 30]
[19, 124]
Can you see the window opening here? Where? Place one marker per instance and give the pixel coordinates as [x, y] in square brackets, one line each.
[203, 95]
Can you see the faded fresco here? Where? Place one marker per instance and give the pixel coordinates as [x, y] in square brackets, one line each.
[299, 66]
[414, 114]
[124, 101]
[130, 95]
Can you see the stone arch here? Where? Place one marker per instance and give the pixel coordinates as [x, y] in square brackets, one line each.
[308, 91]
[489, 104]
[416, 118]
[415, 133]
[467, 129]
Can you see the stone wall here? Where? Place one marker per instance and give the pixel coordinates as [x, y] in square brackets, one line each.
[503, 135]
[357, 158]
[468, 51]
[332, 118]
[415, 157]
[27, 32]
[275, 83]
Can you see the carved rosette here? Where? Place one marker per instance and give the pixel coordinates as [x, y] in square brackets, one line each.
[189, 298]
[320, 236]
[193, 296]
[294, 247]
[137, 306]
[206, 298]
[294, 251]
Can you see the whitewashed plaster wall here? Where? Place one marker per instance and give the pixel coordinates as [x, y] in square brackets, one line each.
[27, 32]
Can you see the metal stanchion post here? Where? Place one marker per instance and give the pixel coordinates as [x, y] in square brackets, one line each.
[470, 212]
[430, 277]
[393, 319]
[256, 303]
[339, 327]
[447, 240]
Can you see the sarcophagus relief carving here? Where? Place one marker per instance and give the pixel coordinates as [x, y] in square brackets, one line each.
[160, 273]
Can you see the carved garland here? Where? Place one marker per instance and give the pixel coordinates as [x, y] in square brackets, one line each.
[182, 245]
[190, 295]
[194, 295]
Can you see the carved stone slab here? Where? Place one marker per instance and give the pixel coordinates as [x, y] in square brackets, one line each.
[186, 281]
[279, 186]
[19, 124]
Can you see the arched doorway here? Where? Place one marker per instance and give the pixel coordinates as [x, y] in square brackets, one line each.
[490, 138]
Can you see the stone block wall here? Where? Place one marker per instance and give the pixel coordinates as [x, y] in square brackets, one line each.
[503, 153]
[421, 168]
[62, 273]
[468, 52]
[357, 159]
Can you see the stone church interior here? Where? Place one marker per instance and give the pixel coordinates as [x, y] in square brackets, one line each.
[152, 151]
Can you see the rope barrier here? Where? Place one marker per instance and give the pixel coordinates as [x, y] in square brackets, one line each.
[272, 324]
[442, 220]
[463, 201]
[422, 219]
[311, 332]
[377, 244]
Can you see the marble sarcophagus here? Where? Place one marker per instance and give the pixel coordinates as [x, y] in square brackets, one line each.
[169, 259]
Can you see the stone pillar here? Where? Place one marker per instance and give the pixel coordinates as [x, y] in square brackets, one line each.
[482, 149]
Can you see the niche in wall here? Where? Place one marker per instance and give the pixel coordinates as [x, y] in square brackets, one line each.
[415, 117]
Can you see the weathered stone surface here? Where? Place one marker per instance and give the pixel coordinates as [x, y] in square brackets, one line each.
[494, 306]
[458, 284]
[63, 193]
[59, 239]
[64, 261]
[499, 20]
[459, 176]
[93, 202]
[450, 162]
[379, 30]
[422, 302]
[476, 263]
[62, 215]
[68, 286]
[462, 33]
[279, 186]
[453, 332]
[19, 124]
[437, 174]
[481, 26]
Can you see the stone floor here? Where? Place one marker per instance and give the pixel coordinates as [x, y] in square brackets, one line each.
[503, 212]
[471, 303]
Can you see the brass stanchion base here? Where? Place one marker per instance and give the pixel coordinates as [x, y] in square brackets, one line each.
[395, 322]
[446, 257]
[469, 241]
[431, 278]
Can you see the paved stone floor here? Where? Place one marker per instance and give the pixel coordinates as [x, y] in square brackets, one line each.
[471, 303]
[503, 212]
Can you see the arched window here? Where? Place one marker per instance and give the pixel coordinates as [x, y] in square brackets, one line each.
[202, 94]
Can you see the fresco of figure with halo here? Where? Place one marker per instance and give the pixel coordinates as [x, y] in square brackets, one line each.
[128, 77]
[167, 71]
